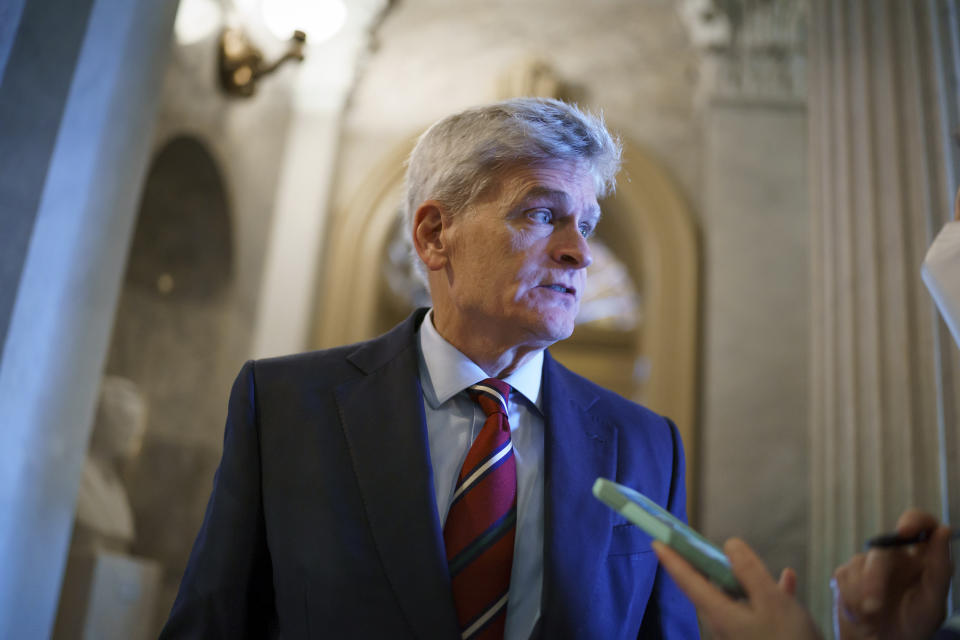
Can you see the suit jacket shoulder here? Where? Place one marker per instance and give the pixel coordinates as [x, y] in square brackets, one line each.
[641, 433]
[322, 509]
[327, 368]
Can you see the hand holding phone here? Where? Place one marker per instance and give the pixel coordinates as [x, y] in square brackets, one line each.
[661, 525]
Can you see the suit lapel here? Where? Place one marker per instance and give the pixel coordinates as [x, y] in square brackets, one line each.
[383, 421]
[577, 526]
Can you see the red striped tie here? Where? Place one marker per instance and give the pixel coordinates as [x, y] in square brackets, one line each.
[481, 523]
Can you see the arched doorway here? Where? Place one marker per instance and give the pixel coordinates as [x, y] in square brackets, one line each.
[166, 346]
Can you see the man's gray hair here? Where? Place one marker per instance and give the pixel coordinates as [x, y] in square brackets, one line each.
[458, 158]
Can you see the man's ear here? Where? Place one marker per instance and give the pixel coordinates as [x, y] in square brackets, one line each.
[428, 239]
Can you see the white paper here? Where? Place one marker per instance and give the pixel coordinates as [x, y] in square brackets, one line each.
[941, 274]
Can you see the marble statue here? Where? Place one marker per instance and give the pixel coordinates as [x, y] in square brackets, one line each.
[104, 518]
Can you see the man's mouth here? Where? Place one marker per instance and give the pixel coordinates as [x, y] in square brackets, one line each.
[560, 288]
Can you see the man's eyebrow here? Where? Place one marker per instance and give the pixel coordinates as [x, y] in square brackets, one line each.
[556, 195]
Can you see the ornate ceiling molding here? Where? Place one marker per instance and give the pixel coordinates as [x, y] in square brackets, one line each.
[751, 49]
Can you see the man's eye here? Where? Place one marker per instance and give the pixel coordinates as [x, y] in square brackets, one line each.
[543, 216]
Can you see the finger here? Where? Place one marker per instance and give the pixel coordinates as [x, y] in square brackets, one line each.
[878, 572]
[844, 624]
[851, 566]
[788, 581]
[840, 611]
[937, 564]
[847, 583]
[710, 601]
[914, 521]
[749, 569]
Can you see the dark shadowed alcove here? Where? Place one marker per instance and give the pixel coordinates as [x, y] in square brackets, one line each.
[169, 338]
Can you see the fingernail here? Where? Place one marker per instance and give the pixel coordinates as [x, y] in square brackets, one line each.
[733, 546]
[871, 605]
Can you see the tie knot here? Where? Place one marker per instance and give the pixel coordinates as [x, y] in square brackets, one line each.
[492, 394]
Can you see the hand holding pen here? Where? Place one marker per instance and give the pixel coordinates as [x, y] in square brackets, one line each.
[894, 539]
[897, 589]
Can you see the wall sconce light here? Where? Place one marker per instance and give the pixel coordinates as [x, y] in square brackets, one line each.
[241, 63]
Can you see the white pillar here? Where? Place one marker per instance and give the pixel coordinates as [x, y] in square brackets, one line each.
[70, 271]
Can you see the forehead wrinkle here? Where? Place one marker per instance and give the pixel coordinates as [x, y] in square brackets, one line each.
[546, 193]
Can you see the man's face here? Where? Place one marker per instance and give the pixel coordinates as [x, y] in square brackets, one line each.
[517, 258]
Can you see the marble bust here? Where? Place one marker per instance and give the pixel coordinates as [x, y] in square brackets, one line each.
[104, 518]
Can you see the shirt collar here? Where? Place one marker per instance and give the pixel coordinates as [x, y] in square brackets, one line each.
[446, 371]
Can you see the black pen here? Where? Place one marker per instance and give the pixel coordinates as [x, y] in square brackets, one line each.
[886, 540]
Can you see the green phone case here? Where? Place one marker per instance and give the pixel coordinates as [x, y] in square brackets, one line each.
[663, 526]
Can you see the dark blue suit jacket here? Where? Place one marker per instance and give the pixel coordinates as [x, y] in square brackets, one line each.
[323, 524]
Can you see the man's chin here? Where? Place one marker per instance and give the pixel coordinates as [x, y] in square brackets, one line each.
[550, 333]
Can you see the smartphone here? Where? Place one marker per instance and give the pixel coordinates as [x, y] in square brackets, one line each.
[663, 526]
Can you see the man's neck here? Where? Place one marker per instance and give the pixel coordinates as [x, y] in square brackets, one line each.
[496, 359]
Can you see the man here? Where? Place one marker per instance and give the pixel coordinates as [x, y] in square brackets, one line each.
[435, 482]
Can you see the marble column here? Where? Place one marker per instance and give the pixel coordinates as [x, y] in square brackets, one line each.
[882, 368]
[78, 98]
[754, 217]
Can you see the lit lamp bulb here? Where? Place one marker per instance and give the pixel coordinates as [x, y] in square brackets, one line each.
[233, 43]
[242, 76]
[196, 19]
[320, 19]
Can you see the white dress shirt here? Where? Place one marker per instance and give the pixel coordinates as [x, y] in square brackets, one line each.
[453, 422]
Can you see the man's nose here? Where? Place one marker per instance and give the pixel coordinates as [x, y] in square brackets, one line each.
[572, 250]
